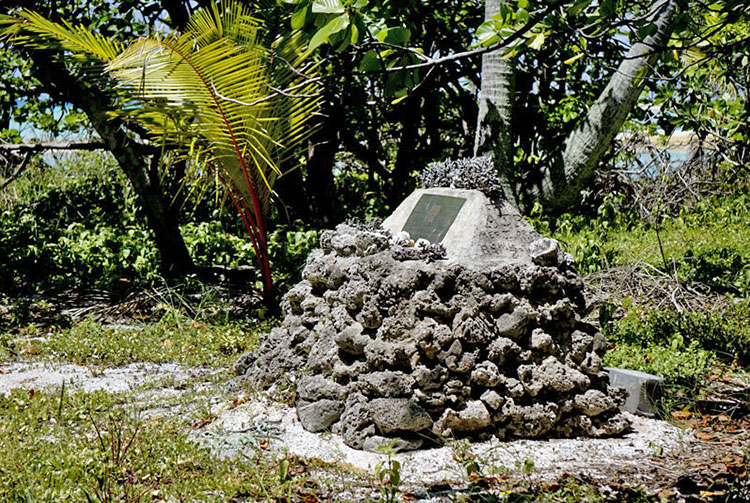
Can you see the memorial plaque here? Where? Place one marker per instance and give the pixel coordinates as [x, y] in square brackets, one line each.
[475, 231]
[432, 216]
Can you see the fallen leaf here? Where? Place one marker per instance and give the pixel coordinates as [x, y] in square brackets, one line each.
[666, 494]
[203, 422]
[239, 401]
[681, 414]
[711, 494]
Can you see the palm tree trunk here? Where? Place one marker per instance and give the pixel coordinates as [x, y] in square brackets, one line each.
[494, 135]
[593, 136]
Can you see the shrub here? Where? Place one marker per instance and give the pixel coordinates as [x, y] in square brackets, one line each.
[725, 333]
[81, 229]
[81, 232]
[675, 362]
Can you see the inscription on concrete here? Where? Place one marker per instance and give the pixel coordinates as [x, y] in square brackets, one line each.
[474, 231]
[433, 216]
[500, 236]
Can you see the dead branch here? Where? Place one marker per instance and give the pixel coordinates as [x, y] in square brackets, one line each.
[83, 146]
[18, 171]
[650, 287]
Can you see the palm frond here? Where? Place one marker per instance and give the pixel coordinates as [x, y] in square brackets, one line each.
[34, 30]
[243, 109]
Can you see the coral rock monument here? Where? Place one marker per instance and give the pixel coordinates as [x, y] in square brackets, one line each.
[452, 319]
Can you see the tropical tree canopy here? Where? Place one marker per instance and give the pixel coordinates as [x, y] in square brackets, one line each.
[237, 109]
[401, 87]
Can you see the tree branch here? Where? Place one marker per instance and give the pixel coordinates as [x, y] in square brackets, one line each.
[34, 148]
[88, 145]
[533, 21]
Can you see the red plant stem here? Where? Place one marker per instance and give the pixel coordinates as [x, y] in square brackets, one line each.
[266, 268]
[247, 217]
[259, 221]
[250, 227]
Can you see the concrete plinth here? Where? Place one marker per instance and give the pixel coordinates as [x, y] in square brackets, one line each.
[643, 389]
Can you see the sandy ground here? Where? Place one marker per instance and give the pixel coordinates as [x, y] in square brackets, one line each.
[259, 422]
[640, 457]
[40, 375]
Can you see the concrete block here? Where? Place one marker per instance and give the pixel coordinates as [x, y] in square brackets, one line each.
[473, 230]
[643, 389]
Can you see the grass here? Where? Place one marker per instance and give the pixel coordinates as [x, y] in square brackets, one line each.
[93, 447]
[188, 342]
[172, 340]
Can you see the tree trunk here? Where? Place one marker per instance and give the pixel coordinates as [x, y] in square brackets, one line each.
[593, 136]
[161, 218]
[494, 135]
[409, 117]
[319, 183]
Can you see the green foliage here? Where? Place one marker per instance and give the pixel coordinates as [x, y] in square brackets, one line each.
[356, 199]
[724, 332]
[675, 362]
[25, 109]
[82, 231]
[588, 239]
[289, 247]
[192, 327]
[210, 245]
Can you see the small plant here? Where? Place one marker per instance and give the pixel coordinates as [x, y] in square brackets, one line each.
[388, 474]
[471, 465]
[526, 468]
[116, 479]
